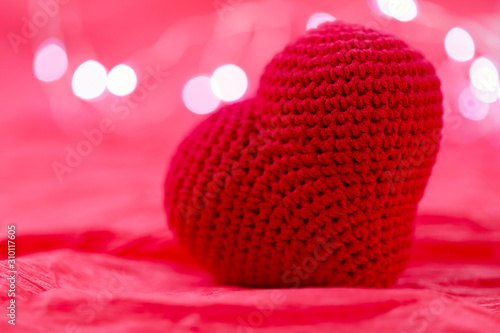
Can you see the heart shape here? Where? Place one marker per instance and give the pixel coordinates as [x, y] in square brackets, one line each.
[315, 181]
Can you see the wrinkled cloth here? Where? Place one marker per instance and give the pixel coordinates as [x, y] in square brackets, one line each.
[94, 253]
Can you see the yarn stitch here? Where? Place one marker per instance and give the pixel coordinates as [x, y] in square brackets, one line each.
[315, 181]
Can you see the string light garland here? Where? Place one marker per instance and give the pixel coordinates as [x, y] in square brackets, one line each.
[464, 43]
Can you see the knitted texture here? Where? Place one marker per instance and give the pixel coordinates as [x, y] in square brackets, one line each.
[315, 181]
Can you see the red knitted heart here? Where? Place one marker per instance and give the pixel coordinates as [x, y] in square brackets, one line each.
[316, 180]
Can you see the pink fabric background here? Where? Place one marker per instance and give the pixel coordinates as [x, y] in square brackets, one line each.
[94, 252]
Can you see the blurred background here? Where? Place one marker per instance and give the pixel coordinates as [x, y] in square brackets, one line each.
[96, 96]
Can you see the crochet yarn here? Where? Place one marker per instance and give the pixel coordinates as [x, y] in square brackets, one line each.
[315, 181]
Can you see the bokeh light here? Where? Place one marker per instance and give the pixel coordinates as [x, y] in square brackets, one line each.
[401, 10]
[470, 107]
[484, 80]
[122, 80]
[459, 44]
[229, 83]
[318, 18]
[198, 96]
[484, 96]
[89, 80]
[50, 62]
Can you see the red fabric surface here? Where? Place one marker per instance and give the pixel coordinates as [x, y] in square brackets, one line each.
[314, 181]
[115, 267]
[93, 251]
